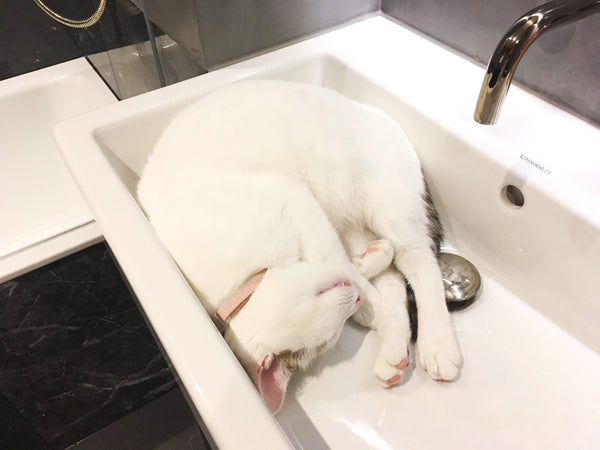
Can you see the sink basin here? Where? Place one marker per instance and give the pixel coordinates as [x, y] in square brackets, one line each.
[44, 215]
[531, 342]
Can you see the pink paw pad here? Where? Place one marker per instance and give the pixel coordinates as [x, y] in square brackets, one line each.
[373, 247]
[402, 364]
[394, 379]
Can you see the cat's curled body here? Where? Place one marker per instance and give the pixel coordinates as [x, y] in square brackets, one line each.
[300, 180]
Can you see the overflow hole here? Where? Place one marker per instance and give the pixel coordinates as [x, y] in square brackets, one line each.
[513, 196]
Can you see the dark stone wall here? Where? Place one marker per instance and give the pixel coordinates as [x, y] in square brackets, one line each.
[31, 40]
[219, 32]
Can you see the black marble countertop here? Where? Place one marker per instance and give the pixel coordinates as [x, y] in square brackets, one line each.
[75, 353]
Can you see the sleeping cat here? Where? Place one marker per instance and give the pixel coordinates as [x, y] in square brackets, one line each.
[322, 192]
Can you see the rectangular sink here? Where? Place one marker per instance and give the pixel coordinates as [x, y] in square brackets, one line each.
[531, 343]
[44, 214]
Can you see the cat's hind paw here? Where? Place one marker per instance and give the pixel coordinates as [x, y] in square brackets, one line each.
[388, 374]
[442, 361]
[391, 362]
[376, 259]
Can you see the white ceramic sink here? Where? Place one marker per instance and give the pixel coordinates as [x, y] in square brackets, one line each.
[531, 343]
[44, 216]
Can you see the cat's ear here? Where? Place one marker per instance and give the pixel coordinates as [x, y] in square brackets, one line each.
[272, 378]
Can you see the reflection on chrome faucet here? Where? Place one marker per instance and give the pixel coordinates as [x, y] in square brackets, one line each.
[513, 45]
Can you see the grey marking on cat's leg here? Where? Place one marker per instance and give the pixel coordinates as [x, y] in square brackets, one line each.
[436, 234]
[434, 224]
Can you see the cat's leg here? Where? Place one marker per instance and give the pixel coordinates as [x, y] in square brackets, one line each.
[407, 228]
[437, 348]
[393, 327]
[370, 257]
[356, 243]
[389, 315]
[319, 241]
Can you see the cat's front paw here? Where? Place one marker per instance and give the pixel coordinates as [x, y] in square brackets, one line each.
[376, 259]
[440, 357]
[365, 315]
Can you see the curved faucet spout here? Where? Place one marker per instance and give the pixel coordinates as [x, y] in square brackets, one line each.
[513, 45]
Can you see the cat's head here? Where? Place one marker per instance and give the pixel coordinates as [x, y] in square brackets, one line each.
[296, 313]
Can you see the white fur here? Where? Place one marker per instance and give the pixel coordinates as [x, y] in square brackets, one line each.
[298, 179]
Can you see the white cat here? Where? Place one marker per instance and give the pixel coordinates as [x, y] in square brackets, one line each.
[298, 180]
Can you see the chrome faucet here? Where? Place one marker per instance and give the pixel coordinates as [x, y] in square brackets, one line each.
[513, 45]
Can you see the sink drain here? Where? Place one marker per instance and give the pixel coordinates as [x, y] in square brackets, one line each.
[513, 196]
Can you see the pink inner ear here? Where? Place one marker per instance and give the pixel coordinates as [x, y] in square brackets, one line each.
[272, 381]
